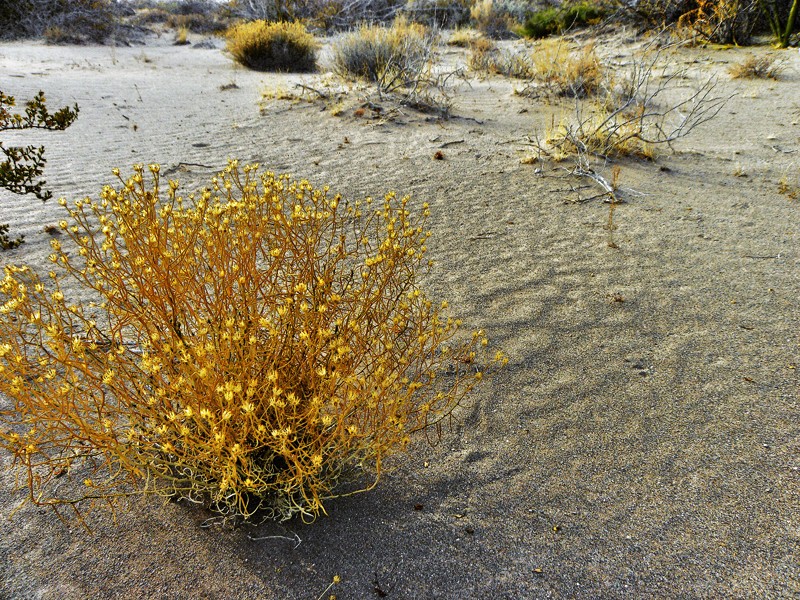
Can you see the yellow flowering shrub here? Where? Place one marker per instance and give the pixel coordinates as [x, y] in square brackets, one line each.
[251, 346]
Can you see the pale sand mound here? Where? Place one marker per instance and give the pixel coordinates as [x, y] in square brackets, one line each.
[643, 441]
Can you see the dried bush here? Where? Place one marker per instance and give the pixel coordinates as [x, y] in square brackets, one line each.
[399, 60]
[447, 14]
[763, 67]
[253, 347]
[67, 21]
[23, 165]
[464, 38]
[722, 21]
[389, 56]
[264, 46]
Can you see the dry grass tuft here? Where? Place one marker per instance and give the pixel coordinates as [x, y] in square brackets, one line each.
[763, 67]
[559, 71]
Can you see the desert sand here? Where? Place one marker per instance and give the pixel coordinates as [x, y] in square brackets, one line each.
[644, 440]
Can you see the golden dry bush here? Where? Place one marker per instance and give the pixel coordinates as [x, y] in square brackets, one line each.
[260, 346]
[280, 46]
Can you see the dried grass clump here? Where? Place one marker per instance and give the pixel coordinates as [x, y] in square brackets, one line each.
[252, 347]
[762, 67]
[489, 60]
[602, 132]
[264, 46]
[560, 71]
[464, 38]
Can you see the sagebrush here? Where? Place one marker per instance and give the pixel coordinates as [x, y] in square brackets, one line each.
[253, 346]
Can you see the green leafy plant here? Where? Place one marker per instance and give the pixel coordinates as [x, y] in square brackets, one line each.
[261, 346]
[281, 46]
[782, 17]
[555, 21]
[24, 165]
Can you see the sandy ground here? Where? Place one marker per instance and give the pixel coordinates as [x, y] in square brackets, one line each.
[642, 443]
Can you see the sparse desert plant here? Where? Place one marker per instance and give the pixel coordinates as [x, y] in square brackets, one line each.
[24, 165]
[389, 56]
[559, 71]
[789, 184]
[281, 46]
[334, 14]
[761, 67]
[253, 347]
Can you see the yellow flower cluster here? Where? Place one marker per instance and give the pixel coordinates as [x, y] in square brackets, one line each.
[253, 344]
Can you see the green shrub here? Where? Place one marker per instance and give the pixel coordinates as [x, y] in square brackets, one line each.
[264, 46]
[543, 23]
[253, 347]
[782, 18]
[555, 21]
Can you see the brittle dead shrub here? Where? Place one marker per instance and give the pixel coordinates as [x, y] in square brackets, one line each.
[281, 46]
[253, 346]
[762, 67]
[639, 112]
